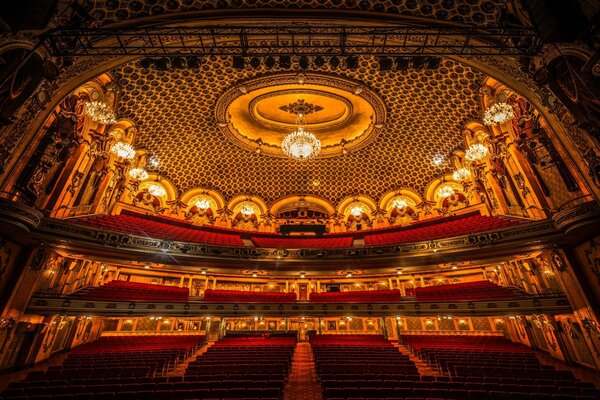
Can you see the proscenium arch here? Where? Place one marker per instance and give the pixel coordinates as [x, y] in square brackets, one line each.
[244, 16]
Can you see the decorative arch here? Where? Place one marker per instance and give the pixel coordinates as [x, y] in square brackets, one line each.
[201, 206]
[400, 206]
[145, 197]
[244, 220]
[294, 200]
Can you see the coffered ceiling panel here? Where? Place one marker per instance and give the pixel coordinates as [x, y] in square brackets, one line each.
[175, 111]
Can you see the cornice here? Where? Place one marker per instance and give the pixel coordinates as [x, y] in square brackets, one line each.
[40, 305]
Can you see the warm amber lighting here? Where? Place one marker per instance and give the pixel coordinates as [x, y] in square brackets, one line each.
[203, 203]
[100, 112]
[301, 145]
[247, 209]
[357, 210]
[445, 191]
[399, 203]
[498, 113]
[123, 150]
[157, 190]
[461, 174]
[139, 174]
[476, 152]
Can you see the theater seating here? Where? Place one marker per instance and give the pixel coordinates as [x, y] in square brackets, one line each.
[495, 368]
[162, 228]
[359, 296]
[115, 367]
[238, 296]
[243, 366]
[360, 366]
[134, 291]
[438, 229]
[167, 228]
[283, 242]
[475, 291]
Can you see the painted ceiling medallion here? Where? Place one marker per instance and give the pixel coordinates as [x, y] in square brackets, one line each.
[259, 118]
[301, 107]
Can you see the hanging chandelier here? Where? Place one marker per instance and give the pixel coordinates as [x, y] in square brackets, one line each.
[139, 174]
[445, 191]
[498, 113]
[461, 174]
[399, 203]
[123, 150]
[247, 209]
[203, 203]
[157, 190]
[301, 145]
[100, 112]
[476, 152]
[357, 210]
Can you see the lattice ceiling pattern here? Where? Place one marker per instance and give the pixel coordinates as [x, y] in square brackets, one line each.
[175, 112]
[483, 13]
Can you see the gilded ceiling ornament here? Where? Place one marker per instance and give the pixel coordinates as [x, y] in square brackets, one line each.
[301, 107]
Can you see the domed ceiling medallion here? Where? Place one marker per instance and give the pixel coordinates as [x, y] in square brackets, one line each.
[259, 113]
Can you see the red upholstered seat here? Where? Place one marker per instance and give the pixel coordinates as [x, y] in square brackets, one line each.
[167, 228]
[238, 296]
[473, 291]
[359, 296]
[135, 291]
[163, 228]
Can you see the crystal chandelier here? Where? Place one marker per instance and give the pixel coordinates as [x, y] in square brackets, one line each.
[100, 112]
[247, 209]
[123, 150]
[445, 191]
[399, 203]
[157, 190]
[476, 152]
[357, 210]
[203, 203]
[153, 162]
[461, 174]
[301, 145]
[139, 174]
[498, 113]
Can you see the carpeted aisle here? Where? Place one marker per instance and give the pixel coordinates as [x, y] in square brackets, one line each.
[302, 383]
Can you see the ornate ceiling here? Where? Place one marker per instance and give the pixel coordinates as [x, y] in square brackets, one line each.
[175, 111]
[473, 12]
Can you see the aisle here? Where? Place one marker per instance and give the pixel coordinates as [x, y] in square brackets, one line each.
[302, 383]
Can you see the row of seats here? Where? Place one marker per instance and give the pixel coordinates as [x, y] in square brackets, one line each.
[352, 357]
[162, 228]
[368, 367]
[173, 229]
[358, 296]
[134, 291]
[237, 360]
[457, 226]
[474, 291]
[238, 296]
[284, 242]
[117, 367]
[494, 364]
[470, 291]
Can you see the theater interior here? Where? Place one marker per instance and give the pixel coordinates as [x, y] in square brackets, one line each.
[300, 199]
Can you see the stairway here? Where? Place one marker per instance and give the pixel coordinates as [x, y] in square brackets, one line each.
[179, 370]
[302, 382]
[422, 366]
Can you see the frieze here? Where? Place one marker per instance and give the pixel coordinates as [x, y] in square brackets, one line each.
[549, 305]
[63, 230]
